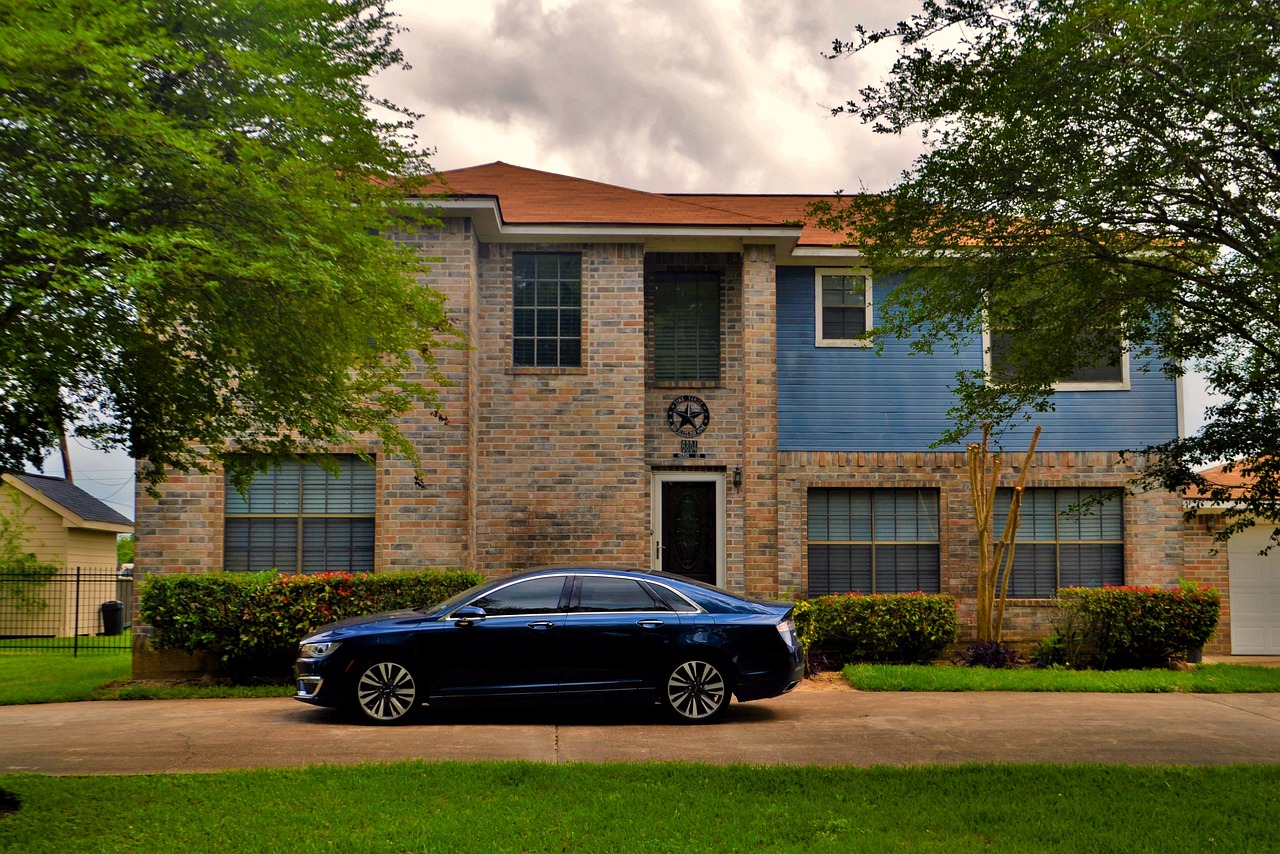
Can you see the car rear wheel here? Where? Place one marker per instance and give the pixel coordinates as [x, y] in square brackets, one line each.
[696, 691]
[386, 692]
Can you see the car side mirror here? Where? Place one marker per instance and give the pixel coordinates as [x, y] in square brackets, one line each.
[468, 614]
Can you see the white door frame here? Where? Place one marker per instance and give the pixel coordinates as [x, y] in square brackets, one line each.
[655, 518]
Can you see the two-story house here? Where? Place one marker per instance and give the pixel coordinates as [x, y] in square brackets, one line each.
[679, 381]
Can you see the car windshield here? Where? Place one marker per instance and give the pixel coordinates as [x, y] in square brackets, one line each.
[453, 601]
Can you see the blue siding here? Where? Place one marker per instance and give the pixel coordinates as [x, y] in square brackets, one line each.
[846, 399]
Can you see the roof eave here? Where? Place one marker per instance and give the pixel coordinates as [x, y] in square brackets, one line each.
[486, 217]
[70, 519]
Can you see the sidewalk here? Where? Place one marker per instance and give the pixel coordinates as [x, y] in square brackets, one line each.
[813, 725]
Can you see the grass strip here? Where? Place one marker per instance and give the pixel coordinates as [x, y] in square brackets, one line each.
[1203, 679]
[660, 807]
[58, 677]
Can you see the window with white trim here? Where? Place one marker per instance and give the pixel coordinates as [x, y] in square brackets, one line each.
[1068, 537]
[1106, 369]
[298, 517]
[873, 541]
[842, 297]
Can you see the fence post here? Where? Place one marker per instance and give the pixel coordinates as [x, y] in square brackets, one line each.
[75, 632]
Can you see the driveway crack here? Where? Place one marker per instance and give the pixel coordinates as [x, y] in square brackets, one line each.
[1216, 700]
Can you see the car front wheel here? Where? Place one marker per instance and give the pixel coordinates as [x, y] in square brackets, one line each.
[386, 692]
[696, 691]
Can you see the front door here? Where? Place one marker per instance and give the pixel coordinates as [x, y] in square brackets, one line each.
[689, 531]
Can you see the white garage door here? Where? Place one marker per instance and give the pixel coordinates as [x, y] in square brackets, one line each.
[1255, 593]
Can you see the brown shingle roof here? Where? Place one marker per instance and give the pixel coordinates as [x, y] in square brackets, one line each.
[529, 196]
[1236, 481]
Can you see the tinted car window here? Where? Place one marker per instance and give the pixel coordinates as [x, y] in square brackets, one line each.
[615, 594]
[673, 600]
[534, 596]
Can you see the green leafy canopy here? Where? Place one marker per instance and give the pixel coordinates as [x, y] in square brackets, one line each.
[1092, 168]
[193, 203]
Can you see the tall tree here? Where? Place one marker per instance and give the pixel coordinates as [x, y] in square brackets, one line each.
[192, 198]
[1094, 170]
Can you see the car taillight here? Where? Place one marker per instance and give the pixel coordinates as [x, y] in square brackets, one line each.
[788, 631]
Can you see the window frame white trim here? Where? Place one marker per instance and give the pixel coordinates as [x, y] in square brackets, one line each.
[655, 517]
[818, 339]
[1123, 384]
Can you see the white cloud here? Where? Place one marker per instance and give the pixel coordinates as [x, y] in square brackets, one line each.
[699, 95]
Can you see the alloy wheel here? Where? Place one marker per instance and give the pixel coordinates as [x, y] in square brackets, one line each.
[386, 692]
[696, 690]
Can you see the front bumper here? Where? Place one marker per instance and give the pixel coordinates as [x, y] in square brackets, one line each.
[313, 683]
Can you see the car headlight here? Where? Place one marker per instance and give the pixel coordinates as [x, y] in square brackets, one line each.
[318, 649]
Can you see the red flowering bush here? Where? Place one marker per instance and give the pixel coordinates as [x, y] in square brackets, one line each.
[886, 627]
[1143, 626]
[255, 620]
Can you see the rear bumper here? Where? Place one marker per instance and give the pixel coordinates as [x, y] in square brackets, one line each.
[760, 686]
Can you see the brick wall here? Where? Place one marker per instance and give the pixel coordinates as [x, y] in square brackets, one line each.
[760, 420]
[1204, 561]
[559, 453]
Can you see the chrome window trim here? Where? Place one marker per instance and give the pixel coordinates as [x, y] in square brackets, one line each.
[561, 575]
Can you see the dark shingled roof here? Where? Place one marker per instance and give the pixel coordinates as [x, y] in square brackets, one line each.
[73, 498]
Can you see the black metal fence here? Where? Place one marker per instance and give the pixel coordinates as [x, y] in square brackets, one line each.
[86, 609]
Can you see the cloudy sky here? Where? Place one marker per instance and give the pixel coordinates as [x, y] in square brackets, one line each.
[726, 96]
[660, 95]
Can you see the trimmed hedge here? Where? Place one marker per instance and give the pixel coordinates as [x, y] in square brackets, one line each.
[255, 620]
[900, 628]
[1143, 626]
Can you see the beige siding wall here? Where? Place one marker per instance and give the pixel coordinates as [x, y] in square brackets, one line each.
[48, 538]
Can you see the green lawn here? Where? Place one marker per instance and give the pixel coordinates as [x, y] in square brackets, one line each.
[57, 677]
[1203, 679]
[660, 807]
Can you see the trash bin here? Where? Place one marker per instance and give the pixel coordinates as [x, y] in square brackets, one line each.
[112, 617]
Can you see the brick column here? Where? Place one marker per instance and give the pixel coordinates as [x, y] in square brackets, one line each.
[760, 420]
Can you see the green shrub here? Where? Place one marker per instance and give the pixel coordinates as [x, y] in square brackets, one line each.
[892, 627]
[1143, 626]
[255, 620]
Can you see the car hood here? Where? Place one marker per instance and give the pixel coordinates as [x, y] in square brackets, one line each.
[352, 625]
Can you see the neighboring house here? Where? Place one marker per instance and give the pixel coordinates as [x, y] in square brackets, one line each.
[75, 531]
[1252, 611]
[69, 526]
[677, 381]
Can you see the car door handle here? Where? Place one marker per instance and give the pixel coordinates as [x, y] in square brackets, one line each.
[649, 624]
[540, 625]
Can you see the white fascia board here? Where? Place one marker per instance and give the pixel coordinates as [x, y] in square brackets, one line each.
[487, 217]
[827, 252]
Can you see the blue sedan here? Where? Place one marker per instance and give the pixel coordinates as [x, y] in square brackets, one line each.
[561, 634]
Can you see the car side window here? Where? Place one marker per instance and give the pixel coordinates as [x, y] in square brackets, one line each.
[599, 594]
[533, 596]
[673, 600]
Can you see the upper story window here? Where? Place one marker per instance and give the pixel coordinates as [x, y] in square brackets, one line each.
[547, 309]
[684, 326]
[843, 299]
[1107, 368]
[298, 517]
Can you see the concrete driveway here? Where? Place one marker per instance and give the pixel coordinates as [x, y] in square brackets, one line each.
[816, 724]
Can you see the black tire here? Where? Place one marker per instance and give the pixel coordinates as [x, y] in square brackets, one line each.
[386, 692]
[696, 690]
